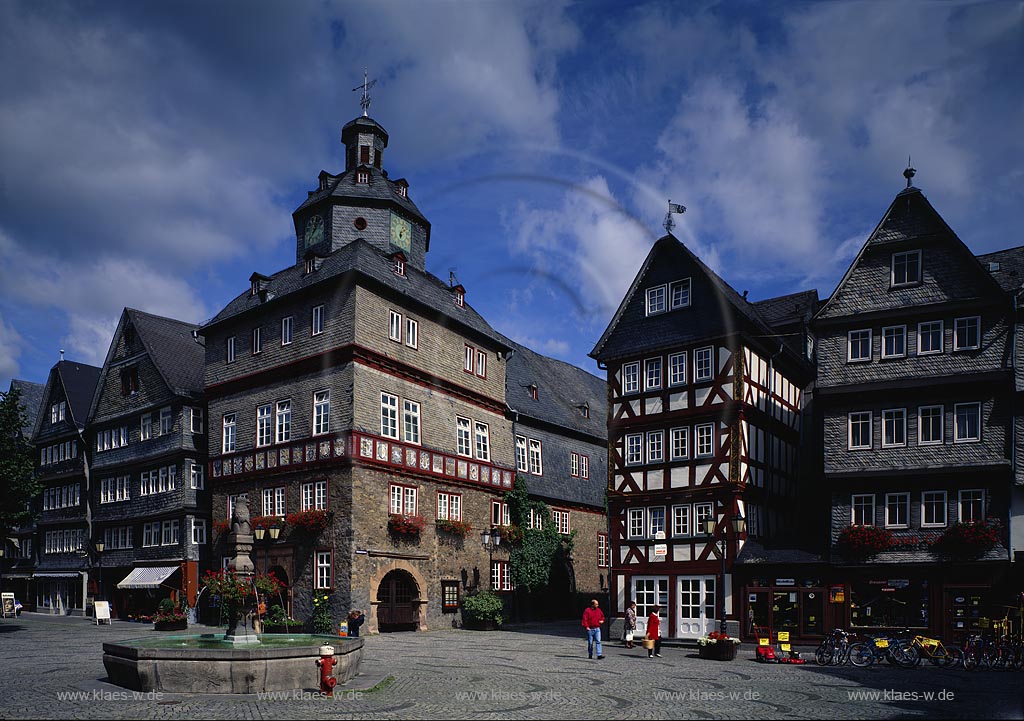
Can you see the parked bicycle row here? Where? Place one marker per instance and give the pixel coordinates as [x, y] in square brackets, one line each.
[908, 650]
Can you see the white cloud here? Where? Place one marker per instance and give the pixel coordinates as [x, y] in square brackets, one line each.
[10, 350]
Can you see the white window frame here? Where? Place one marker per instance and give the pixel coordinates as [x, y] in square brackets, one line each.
[412, 333]
[957, 438]
[960, 504]
[631, 378]
[410, 421]
[463, 437]
[939, 499]
[699, 441]
[199, 531]
[902, 335]
[701, 511]
[849, 430]
[197, 480]
[229, 438]
[636, 525]
[870, 503]
[633, 449]
[656, 517]
[146, 426]
[481, 363]
[681, 514]
[684, 286]
[849, 345]
[561, 520]
[468, 358]
[655, 446]
[389, 415]
[500, 514]
[317, 323]
[231, 355]
[321, 412]
[679, 437]
[449, 506]
[522, 464]
[395, 326]
[263, 434]
[976, 319]
[501, 577]
[283, 421]
[900, 416]
[286, 330]
[677, 369]
[574, 464]
[584, 466]
[196, 420]
[257, 340]
[906, 507]
[166, 424]
[892, 272]
[921, 425]
[652, 373]
[657, 299]
[482, 441]
[700, 356]
[314, 496]
[536, 455]
[921, 334]
[324, 574]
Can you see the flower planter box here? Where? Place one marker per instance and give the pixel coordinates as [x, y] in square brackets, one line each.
[181, 625]
[718, 651]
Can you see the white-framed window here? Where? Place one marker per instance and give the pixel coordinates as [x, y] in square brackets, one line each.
[273, 501]
[500, 514]
[463, 437]
[147, 483]
[536, 458]
[196, 476]
[317, 326]
[702, 366]
[449, 506]
[680, 444]
[652, 373]
[677, 369]
[656, 521]
[314, 496]
[701, 512]
[894, 341]
[967, 333]
[169, 534]
[862, 509]
[655, 446]
[58, 412]
[966, 422]
[469, 355]
[166, 421]
[897, 510]
[321, 412]
[521, 463]
[501, 576]
[604, 551]
[536, 519]
[284, 421]
[257, 341]
[228, 437]
[113, 490]
[412, 333]
[705, 437]
[681, 520]
[199, 531]
[388, 415]
[634, 449]
[196, 419]
[894, 427]
[411, 421]
[933, 509]
[286, 330]
[860, 430]
[971, 505]
[584, 466]
[324, 570]
[929, 425]
[929, 337]
[631, 378]
[561, 521]
[151, 534]
[395, 327]
[481, 363]
[231, 349]
[482, 438]
[679, 293]
[858, 346]
[403, 500]
[637, 522]
[146, 427]
[399, 263]
[115, 538]
[906, 268]
[574, 464]
[263, 425]
[656, 300]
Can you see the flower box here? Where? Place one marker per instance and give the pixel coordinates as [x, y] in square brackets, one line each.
[721, 651]
[312, 521]
[861, 542]
[401, 525]
[456, 528]
[965, 540]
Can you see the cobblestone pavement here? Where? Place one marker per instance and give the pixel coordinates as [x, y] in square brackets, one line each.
[538, 671]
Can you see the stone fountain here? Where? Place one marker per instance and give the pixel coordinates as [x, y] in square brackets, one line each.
[238, 661]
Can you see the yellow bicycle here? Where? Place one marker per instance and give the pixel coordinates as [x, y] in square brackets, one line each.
[936, 652]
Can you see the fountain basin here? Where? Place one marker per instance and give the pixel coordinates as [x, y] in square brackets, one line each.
[205, 664]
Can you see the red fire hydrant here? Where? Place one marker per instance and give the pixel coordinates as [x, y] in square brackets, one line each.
[326, 662]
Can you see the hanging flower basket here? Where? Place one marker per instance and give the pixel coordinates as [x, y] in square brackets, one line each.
[968, 540]
[402, 525]
[456, 528]
[860, 542]
[311, 522]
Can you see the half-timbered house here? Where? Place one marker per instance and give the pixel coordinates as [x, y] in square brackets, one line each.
[705, 405]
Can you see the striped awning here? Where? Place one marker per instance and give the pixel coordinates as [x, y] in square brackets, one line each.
[147, 577]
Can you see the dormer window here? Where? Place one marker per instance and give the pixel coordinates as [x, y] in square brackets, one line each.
[460, 295]
[679, 293]
[364, 154]
[399, 264]
[585, 410]
[258, 283]
[656, 300]
[312, 264]
[906, 268]
[129, 381]
[534, 392]
[362, 176]
[402, 188]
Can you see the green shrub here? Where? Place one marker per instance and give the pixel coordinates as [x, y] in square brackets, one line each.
[482, 607]
[166, 607]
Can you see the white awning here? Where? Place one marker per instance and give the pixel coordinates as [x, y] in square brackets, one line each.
[147, 577]
[55, 574]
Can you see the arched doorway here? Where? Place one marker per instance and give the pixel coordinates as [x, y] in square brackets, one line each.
[398, 602]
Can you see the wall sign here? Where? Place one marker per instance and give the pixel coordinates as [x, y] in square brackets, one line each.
[785, 581]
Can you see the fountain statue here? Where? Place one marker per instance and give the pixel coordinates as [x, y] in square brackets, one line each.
[241, 541]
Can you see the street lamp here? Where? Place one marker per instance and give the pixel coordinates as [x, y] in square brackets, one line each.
[99, 546]
[260, 533]
[739, 525]
[491, 539]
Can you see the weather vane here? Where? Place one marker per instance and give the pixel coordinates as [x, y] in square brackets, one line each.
[910, 172]
[673, 208]
[365, 87]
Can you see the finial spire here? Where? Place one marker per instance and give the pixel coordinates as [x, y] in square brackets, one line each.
[910, 172]
[672, 208]
[364, 101]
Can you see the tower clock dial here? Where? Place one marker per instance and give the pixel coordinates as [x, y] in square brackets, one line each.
[314, 231]
[401, 232]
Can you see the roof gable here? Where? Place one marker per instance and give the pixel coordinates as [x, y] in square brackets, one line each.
[71, 382]
[31, 401]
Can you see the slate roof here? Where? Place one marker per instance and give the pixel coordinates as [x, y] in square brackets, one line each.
[562, 389]
[79, 382]
[907, 219]
[1010, 275]
[787, 308]
[365, 260]
[997, 553]
[753, 552]
[31, 400]
[171, 347]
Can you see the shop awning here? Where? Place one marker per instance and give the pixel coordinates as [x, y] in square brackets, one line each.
[147, 577]
[55, 574]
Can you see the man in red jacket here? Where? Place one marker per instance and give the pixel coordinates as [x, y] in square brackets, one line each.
[593, 619]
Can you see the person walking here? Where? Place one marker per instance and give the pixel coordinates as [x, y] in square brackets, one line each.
[654, 632]
[630, 628]
[593, 619]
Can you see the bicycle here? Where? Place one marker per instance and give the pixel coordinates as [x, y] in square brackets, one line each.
[834, 650]
[884, 647]
[934, 650]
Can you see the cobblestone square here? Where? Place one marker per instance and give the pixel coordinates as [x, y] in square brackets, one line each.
[52, 668]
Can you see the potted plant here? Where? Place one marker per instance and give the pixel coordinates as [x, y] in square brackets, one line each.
[456, 528]
[237, 592]
[169, 618]
[312, 521]
[717, 646]
[860, 542]
[402, 525]
[482, 611]
[967, 540]
[278, 622]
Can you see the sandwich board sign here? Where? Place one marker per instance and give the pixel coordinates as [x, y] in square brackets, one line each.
[102, 609]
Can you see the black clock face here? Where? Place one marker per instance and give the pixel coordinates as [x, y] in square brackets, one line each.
[314, 231]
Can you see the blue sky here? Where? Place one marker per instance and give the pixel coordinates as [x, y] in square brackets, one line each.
[151, 153]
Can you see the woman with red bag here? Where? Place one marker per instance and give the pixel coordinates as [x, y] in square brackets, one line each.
[654, 632]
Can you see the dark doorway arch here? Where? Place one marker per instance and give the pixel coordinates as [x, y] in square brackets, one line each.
[398, 602]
